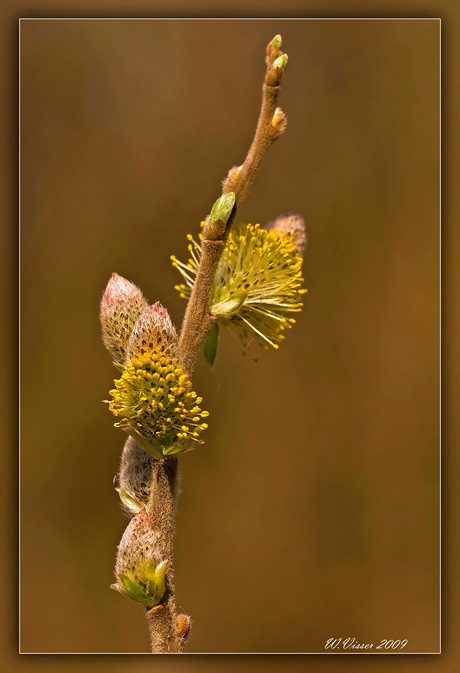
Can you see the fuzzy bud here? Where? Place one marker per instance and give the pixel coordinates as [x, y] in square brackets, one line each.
[232, 178]
[273, 49]
[275, 72]
[184, 624]
[121, 305]
[291, 226]
[279, 120]
[276, 42]
[280, 62]
[134, 481]
[140, 574]
[153, 331]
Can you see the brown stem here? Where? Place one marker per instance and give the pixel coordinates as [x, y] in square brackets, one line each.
[198, 319]
[264, 136]
[169, 631]
[162, 619]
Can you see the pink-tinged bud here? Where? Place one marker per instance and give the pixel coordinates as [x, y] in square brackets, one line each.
[292, 226]
[140, 570]
[153, 331]
[121, 305]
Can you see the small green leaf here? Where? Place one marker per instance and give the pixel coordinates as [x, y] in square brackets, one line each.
[211, 343]
[131, 589]
[147, 584]
[151, 447]
[179, 447]
[131, 503]
[222, 208]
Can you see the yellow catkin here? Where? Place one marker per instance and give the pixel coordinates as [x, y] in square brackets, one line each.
[161, 409]
[257, 286]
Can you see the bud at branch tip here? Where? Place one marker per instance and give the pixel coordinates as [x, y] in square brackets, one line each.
[276, 42]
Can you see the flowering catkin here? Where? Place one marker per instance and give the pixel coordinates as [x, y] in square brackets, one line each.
[258, 282]
[153, 397]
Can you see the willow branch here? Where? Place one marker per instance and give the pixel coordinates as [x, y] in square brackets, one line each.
[169, 631]
[271, 124]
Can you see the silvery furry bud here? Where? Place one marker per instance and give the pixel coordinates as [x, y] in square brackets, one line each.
[291, 226]
[134, 481]
[140, 574]
[153, 331]
[121, 305]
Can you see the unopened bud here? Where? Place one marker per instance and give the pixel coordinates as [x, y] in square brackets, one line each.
[276, 42]
[232, 178]
[275, 72]
[140, 574]
[280, 62]
[153, 331]
[184, 624]
[134, 481]
[222, 208]
[273, 49]
[216, 222]
[291, 226]
[279, 120]
[121, 305]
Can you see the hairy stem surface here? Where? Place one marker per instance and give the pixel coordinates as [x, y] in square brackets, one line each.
[162, 619]
[198, 319]
[169, 631]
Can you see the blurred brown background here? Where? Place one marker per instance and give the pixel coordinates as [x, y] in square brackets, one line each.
[312, 509]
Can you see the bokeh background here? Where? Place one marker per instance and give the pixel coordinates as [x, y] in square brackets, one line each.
[312, 509]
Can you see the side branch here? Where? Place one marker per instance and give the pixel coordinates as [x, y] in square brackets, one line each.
[271, 124]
